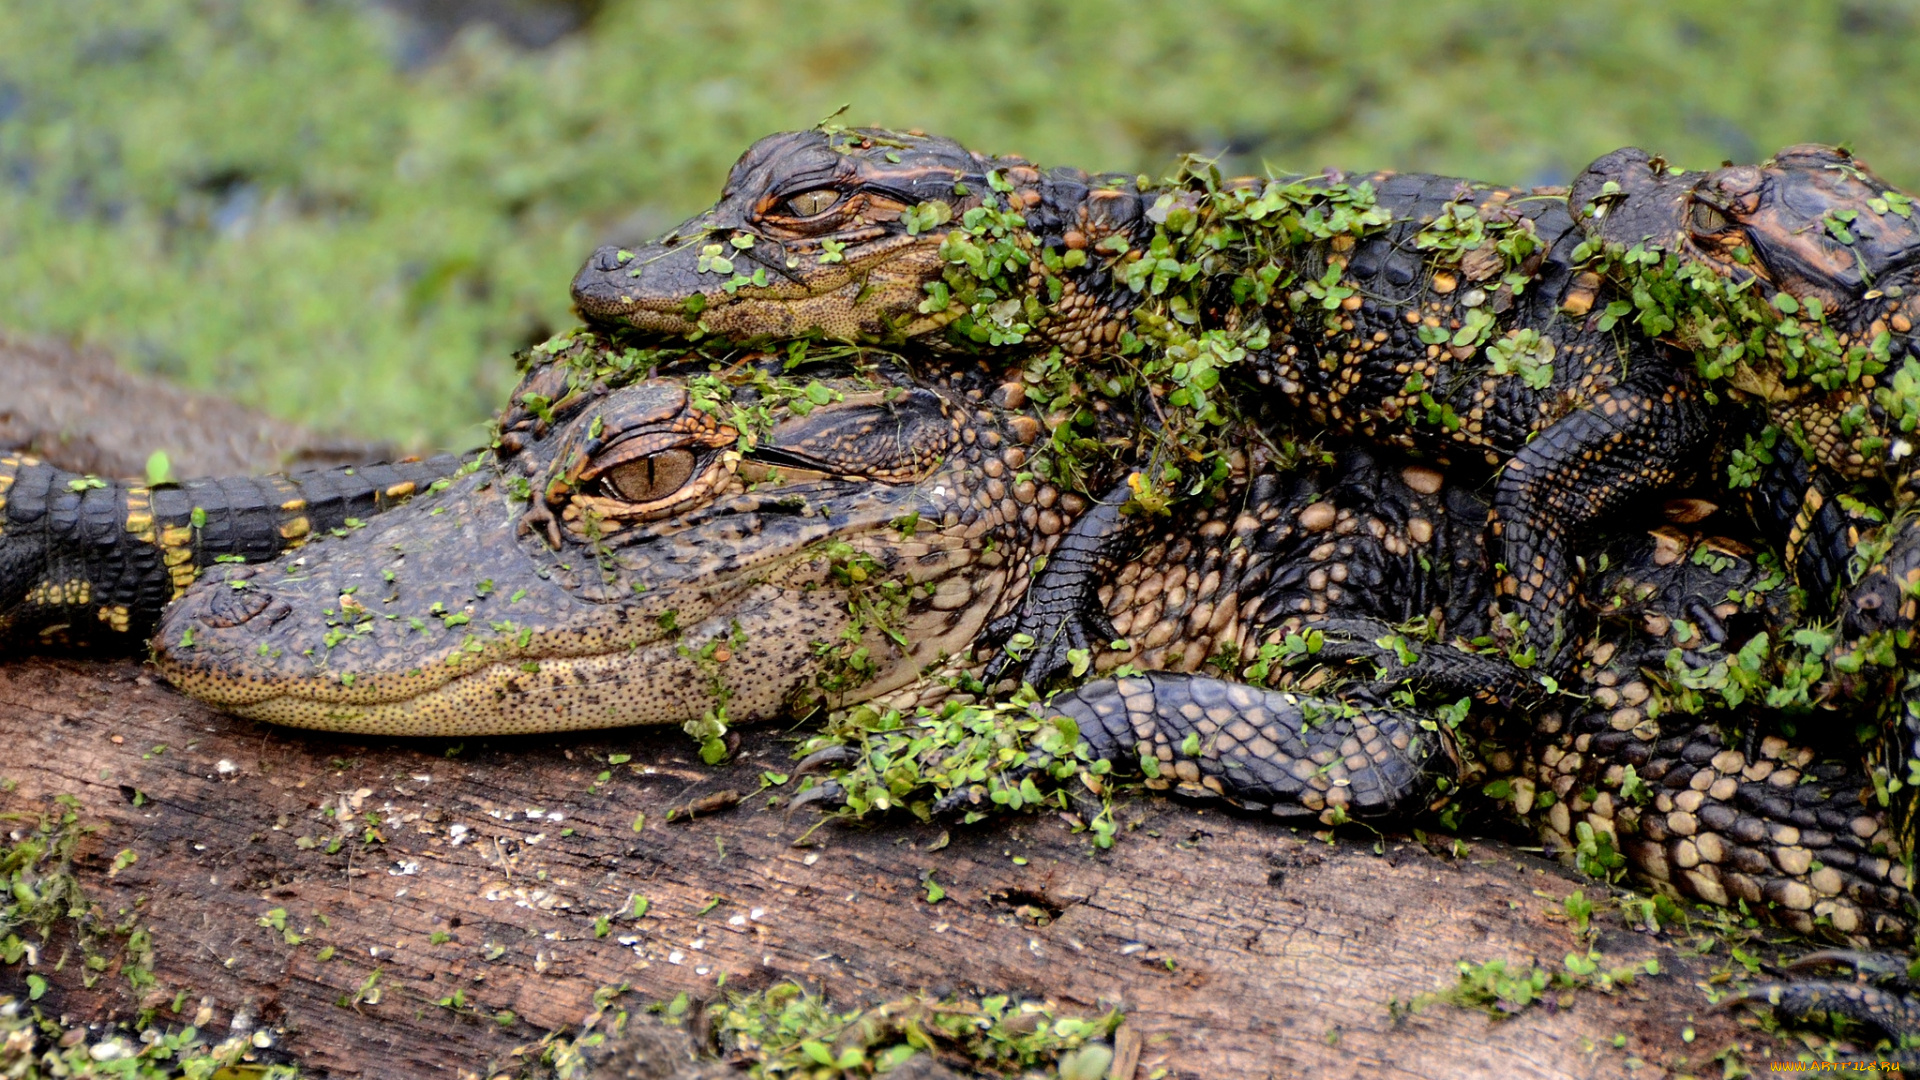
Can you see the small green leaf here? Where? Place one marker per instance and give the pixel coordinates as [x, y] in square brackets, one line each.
[159, 469]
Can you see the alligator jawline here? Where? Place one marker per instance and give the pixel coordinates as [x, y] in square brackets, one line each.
[734, 658]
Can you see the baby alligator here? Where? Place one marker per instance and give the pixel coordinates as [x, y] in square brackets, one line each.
[1412, 310]
[1797, 283]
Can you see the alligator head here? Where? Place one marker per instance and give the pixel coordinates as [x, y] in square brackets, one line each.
[717, 538]
[841, 232]
[1812, 231]
[1812, 221]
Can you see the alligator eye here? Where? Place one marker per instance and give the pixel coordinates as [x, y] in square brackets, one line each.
[651, 478]
[1706, 218]
[809, 203]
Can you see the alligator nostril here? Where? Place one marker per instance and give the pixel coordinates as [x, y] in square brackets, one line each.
[607, 259]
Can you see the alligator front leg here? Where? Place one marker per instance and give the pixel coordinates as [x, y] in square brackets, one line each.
[1631, 443]
[1436, 668]
[1061, 611]
[1291, 754]
[89, 560]
[1880, 997]
[1800, 514]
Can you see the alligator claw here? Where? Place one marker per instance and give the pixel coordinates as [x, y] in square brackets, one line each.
[828, 793]
[1057, 639]
[1439, 666]
[959, 801]
[1876, 998]
[822, 760]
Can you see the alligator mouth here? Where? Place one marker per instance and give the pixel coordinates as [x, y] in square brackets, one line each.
[671, 680]
[672, 288]
[660, 290]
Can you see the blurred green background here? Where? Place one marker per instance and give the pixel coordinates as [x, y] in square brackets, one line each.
[351, 214]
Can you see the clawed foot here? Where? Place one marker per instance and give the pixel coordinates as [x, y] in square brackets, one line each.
[1061, 611]
[1058, 630]
[1879, 997]
[827, 795]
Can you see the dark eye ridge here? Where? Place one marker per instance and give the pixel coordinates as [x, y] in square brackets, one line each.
[651, 478]
[809, 203]
[1705, 218]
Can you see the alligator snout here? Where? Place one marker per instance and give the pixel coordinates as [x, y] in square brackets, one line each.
[605, 285]
[231, 598]
[648, 288]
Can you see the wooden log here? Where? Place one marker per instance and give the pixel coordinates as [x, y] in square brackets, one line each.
[81, 411]
[1236, 947]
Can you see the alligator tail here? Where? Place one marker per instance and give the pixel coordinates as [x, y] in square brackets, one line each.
[90, 561]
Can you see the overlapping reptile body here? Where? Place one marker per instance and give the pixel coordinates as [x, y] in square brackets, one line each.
[85, 560]
[1632, 761]
[1797, 283]
[726, 552]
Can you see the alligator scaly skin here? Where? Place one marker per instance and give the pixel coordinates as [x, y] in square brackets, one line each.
[1749, 817]
[90, 561]
[835, 552]
[1821, 262]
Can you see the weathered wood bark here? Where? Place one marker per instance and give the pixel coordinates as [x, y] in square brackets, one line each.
[1237, 948]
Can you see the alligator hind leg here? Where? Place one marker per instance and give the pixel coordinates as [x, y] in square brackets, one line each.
[1263, 749]
[1572, 475]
